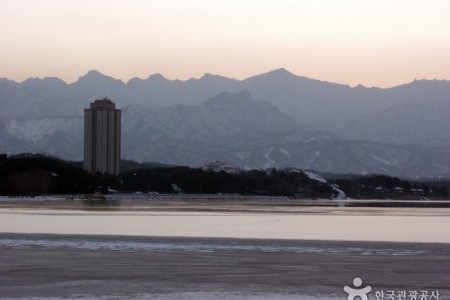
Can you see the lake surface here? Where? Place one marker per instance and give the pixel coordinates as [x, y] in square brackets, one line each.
[228, 251]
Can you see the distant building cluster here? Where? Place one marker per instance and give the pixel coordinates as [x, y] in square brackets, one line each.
[102, 137]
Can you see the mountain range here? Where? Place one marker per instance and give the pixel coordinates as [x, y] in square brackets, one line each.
[276, 119]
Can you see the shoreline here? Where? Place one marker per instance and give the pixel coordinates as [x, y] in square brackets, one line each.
[213, 199]
[221, 203]
[289, 245]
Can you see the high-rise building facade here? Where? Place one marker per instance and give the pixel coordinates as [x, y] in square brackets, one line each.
[102, 137]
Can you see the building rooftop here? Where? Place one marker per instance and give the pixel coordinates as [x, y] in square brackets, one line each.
[103, 104]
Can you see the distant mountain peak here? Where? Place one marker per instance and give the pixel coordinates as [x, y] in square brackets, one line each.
[54, 80]
[208, 75]
[30, 80]
[213, 76]
[279, 74]
[6, 80]
[96, 74]
[157, 76]
[280, 71]
[134, 80]
[92, 75]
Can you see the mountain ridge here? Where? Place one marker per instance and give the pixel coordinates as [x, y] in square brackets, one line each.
[231, 127]
[308, 100]
[220, 128]
[280, 70]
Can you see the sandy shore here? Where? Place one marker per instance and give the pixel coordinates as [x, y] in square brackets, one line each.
[181, 268]
[345, 224]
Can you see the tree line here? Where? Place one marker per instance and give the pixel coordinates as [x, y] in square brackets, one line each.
[29, 175]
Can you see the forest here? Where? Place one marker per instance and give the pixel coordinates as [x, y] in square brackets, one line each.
[29, 175]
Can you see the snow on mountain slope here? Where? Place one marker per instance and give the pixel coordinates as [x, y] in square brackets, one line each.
[339, 194]
[35, 130]
[307, 100]
[232, 128]
[412, 123]
[60, 137]
[219, 123]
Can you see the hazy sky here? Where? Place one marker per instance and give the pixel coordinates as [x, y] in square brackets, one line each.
[376, 43]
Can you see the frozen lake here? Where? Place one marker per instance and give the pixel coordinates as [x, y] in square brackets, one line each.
[42, 266]
[346, 224]
[228, 251]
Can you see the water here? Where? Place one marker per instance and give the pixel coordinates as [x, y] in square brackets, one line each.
[255, 254]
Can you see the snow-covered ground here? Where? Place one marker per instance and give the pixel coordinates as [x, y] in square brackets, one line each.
[375, 225]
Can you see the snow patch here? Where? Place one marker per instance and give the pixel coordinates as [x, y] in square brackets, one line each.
[339, 194]
[285, 152]
[314, 176]
[381, 160]
[269, 162]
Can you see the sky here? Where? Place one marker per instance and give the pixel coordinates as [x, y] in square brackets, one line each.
[375, 43]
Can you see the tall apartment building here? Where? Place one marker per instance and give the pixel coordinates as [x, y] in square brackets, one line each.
[102, 137]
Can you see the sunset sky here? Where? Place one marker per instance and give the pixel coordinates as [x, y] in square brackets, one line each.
[375, 43]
